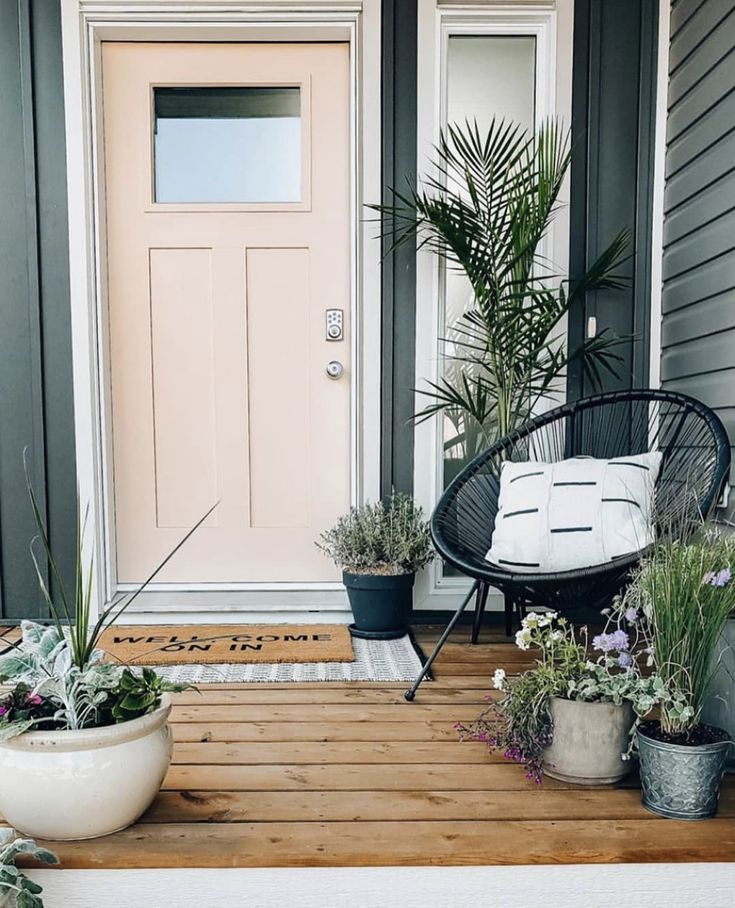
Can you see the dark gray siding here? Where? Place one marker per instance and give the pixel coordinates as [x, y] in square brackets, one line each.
[698, 332]
[613, 119]
[36, 411]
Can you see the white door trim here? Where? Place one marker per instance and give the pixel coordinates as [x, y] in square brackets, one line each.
[85, 24]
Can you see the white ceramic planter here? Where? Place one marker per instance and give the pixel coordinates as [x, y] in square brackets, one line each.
[589, 739]
[82, 784]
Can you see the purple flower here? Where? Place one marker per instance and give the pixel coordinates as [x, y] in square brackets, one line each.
[34, 700]
[631, 615]
[616, 642]
[625, 660]
[720, 578]
[3, 710]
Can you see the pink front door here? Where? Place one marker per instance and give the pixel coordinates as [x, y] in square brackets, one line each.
[227, 175]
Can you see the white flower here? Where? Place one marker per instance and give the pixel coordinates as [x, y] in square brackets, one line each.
[523, 638]
[546, 619]
[556, 635]
[499, 679]
[531, 620]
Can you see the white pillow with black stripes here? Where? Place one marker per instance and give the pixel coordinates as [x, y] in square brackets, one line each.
[573, 514]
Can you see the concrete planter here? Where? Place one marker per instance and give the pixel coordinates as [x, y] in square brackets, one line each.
[68, 785]
[588, 743]
[719, 708]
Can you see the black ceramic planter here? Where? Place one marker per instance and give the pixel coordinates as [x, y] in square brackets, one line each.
[381, 604]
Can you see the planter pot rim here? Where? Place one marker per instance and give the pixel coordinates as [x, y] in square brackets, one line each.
[593, 704]
[378, 580]
[714, 747]
[65, 740]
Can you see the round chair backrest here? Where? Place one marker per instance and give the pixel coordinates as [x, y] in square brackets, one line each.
[692, 439]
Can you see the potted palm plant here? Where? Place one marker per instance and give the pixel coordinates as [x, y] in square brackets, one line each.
[685, 591]
[485, 212]
[84, 743]
[569, 717]
[380, 547]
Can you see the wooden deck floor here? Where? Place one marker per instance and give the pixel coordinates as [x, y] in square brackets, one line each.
[304, 775]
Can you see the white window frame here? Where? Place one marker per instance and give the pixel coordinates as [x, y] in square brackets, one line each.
[550, 23]
[85, 24]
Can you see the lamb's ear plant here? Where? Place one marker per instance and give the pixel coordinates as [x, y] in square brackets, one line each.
[485, 211]
[16, 889]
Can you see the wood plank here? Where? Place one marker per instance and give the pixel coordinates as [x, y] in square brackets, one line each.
[431, 694]
[307, 753]
[286, 732]
[347, 712]
[417, 843]
[482, 777]
[540, 803]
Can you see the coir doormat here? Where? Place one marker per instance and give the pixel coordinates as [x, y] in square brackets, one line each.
[217, 644]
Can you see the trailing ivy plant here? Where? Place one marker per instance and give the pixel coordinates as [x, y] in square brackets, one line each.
[15, 887]
[485, 211]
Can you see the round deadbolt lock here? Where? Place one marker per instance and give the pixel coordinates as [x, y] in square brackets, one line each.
[334, 331]
[335, 369]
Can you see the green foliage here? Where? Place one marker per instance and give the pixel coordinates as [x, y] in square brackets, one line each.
[486, 213]
[52, 692]
[685, 593]
[388, 537]
[520, 726]
[75, 612]
[15, 887]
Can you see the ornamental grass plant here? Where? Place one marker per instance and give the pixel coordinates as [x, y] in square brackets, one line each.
[684, 592]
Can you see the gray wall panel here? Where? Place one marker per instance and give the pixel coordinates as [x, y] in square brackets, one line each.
[708, 167]
[704, 20]
[704, 208]
[700, 98]
[698, 331]
[703, 318]
[35, 350]
[714, 126]
[699, 284]
[699, 356]
[703, 244]
[715, 46]
[718, 394]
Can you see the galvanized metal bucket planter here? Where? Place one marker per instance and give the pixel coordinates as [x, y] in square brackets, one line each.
[719, 707]
[681, 781]
[588, 743]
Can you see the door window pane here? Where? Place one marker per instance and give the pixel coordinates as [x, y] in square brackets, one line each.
[488, 76]
[227, 145]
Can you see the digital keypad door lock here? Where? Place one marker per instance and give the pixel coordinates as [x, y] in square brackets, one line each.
[335, 328]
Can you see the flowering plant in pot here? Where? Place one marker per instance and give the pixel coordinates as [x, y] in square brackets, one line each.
[84, 743]
[684, 591]
[380, 547]
[568, 717]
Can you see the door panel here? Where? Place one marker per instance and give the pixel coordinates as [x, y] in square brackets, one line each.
[216, 321]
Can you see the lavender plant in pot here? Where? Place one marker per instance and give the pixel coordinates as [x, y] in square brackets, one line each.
[685, 592]
[380, 547]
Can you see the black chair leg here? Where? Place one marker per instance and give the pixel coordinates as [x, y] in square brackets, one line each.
[410, 694]
[510, 609]
[480, 603]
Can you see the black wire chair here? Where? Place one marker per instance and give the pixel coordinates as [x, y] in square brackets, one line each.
[694, 473]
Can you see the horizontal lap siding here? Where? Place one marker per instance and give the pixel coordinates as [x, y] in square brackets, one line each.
[698, 332]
